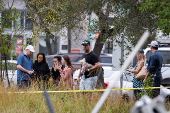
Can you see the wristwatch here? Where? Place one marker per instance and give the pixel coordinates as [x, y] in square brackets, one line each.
[88, 70]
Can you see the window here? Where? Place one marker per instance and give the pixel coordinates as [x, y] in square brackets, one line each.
[50, 62]
[6, 19]
[28, 22]
[78, 59]
[10, 66]
[105, 60]
[22, 20]
[165, 54]
[64, 47]
[108, 47]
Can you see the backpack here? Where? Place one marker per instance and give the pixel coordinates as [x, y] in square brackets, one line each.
[100, 78]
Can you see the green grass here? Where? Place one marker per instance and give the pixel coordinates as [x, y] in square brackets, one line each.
[62, 102]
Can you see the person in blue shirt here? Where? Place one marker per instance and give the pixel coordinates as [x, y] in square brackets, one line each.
[25, 67]
[154, 67]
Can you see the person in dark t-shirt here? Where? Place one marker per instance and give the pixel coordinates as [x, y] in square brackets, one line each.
[88, 81]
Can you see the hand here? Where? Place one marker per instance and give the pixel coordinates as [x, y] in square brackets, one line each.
[58, 67]
[34, 75]
[55, 67]
[78, 80]
[86, 69]
[127, 70]
[144, 80]
[30, 72]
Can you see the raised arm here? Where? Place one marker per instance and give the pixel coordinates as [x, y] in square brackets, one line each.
[136, 71]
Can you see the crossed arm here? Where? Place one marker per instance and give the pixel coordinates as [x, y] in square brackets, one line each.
[96, 66]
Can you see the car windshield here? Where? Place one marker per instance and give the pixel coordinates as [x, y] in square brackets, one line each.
[165, 54]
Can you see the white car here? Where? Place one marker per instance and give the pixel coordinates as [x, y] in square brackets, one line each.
[127, 82]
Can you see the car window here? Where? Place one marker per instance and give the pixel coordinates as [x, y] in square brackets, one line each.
[102, 59]
[50, 62]
[105, 60]
[10, 66]
[165, 54]
[79, 58]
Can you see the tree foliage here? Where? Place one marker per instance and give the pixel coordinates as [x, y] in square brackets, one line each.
[127, 21]
[50, 16]
[161, 9]
[116, 18]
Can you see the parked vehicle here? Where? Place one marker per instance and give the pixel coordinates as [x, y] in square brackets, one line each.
[127, 83]
[105, 59]
[12, 72]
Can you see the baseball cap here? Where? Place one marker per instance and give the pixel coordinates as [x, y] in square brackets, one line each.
[31, 48]
[141, 51]
[85, 42]
[154, 44]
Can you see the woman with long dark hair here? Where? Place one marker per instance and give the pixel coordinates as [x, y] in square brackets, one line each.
[66, 73]
[55, 72]
[40, 66]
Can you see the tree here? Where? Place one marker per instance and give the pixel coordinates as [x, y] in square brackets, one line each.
[50, 16]
[159, 9]
[7, 45]
[127, 21]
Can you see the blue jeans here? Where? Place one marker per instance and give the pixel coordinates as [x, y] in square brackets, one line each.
[157, 83]
[88, 83]
[23, 83]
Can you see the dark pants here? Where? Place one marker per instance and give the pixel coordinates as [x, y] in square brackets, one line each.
[157, 83]
[23, 83]
[137, 94]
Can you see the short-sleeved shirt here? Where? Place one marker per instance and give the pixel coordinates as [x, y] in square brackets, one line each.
[26, 63]
[91, 58]
[155, 63]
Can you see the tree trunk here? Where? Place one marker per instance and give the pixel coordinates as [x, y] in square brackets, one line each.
[49, 49]
[49, 36]
[6, 71]
[1, 79]
[103, 36]
[55, 45]
[98, 45]
[69, 39]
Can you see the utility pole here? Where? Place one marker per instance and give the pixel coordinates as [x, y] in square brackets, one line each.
[122, 60]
